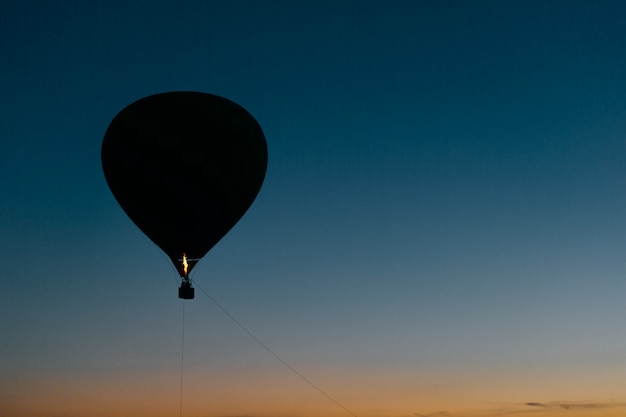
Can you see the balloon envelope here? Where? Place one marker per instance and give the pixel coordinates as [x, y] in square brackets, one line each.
[185, 167]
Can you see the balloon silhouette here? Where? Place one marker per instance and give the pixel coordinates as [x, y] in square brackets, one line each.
[185, 167]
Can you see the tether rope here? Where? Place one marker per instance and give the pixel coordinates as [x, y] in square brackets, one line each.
[182, 358]
[271, 352]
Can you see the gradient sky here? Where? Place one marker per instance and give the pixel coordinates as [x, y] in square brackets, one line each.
[441, 231]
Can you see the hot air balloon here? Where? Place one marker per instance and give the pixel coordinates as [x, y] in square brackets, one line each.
[185, 167]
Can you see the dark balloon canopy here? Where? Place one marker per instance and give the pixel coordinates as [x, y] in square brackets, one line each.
[185, 167]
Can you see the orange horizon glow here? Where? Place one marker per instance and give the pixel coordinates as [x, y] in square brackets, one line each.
[279, 394]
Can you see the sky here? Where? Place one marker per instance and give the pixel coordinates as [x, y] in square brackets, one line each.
[441, 231]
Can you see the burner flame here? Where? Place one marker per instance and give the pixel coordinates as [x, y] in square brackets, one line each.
[185, 264]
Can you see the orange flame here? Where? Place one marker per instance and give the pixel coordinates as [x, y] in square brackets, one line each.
[185, 264]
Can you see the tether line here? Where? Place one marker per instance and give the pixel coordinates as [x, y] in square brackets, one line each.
[271, 352]
[182, 359]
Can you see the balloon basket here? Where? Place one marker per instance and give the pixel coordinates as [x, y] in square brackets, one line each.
[186, 293]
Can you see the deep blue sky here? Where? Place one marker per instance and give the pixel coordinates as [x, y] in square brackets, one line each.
[442, 221]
